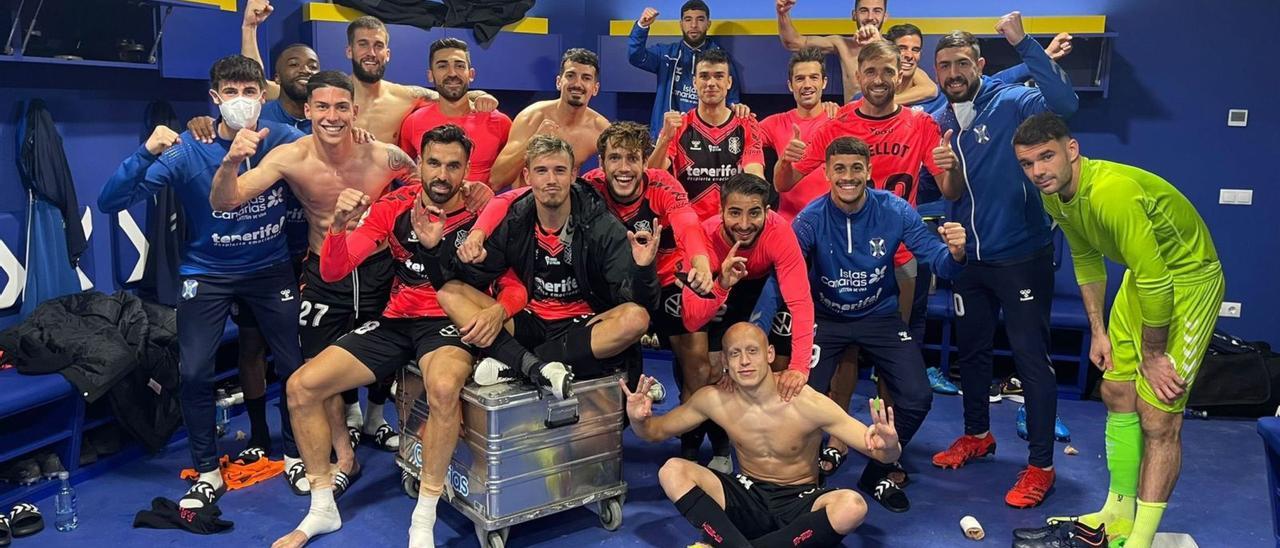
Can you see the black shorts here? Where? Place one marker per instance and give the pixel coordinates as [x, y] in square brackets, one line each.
[758, 508]
[330, 310]
[739, 307]
[385, 345]
[242, 314]
[667, 320]
[546, 339]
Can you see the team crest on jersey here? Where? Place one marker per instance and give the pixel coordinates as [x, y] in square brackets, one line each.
[276, 197]
[413, 236]
[461, 237]
[877, 247]
[980, 131]
[735, 145]
[189, 288]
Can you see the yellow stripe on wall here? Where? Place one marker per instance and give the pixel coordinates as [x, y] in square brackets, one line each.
[319, 11]
[224, 5]
[1076, 24]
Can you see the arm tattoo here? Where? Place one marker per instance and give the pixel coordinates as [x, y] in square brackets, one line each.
[401, 164]
[423, 93]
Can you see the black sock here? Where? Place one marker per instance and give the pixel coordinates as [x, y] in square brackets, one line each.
[719, 440]
[259, 432]
[508, 350]
[812, 529]
[707, 516]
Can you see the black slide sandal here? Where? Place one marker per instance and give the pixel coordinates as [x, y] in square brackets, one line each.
[6, 536]
[25, 520]
[382, 437]
[295, 475]
[832, 456]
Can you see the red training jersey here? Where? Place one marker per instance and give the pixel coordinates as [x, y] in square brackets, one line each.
[390, 219]
[704, 156]
[775, 251]
[775, 132]
[488, 132]
[901, 144]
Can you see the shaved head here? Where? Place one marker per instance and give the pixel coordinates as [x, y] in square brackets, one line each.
[749, 331]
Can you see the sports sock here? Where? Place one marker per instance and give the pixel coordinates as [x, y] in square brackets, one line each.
[213, 477]
[707, 516]
[373, 418]
[354, 417]
[323, 516]
[259, 431]
[1145, 524]
[1124, 458]
[508, 350]
[812, 529]
[422, 524]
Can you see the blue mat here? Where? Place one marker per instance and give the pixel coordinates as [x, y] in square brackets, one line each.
[1220, 500]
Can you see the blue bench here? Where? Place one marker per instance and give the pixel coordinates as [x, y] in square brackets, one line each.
[38, 411]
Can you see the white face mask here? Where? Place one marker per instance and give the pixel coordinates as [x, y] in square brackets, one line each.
[240, 112]
[964, 113]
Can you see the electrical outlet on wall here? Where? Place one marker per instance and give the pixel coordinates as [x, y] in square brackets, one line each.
[1229, 309]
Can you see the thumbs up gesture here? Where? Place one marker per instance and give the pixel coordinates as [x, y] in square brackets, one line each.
[245, 145]
[795, 147]
[943, 155]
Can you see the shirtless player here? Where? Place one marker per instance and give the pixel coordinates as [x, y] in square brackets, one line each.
[776, 499]
[383, 104]
[568, 118]
[869, 15]
[318, 168]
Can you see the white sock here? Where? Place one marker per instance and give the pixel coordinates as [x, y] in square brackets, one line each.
[323, 516]
[422, 524]
[303, 484]
[373, 418]
[354, 418]
[213, 478]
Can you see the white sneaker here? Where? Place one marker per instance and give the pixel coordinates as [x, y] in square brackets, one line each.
[490, 372]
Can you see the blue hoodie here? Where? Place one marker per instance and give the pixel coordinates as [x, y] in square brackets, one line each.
[1000, 207]
[850, 257]
[218, 242]
[673, 63]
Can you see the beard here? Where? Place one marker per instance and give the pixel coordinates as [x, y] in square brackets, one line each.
[368, 77]
[970, 91]
[437, 197]
[448, 92]
[295, 91]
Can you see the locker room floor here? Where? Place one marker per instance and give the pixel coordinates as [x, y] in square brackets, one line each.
[1221, 499]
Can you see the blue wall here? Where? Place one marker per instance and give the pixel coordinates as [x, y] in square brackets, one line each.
[1166, 111]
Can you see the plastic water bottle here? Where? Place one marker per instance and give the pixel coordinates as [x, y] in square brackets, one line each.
[65, 501]
[224, 412]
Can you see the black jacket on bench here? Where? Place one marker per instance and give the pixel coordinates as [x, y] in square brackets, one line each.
[113, 345]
